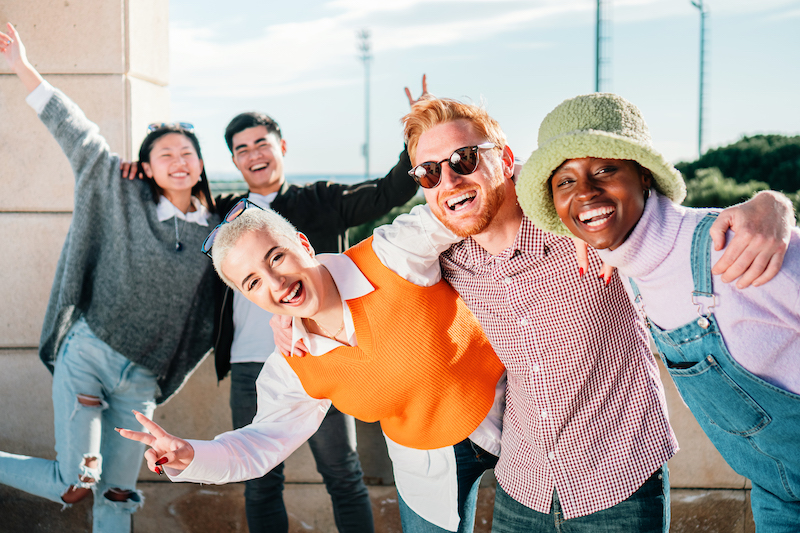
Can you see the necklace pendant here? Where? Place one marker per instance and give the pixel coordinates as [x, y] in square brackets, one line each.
[178, 246]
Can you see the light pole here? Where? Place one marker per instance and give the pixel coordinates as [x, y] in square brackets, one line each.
[365, 47]
[600, 45]
[703, 14]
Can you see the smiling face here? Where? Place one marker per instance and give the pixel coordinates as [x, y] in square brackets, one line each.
[280, 275]
[259, 157]
[174, 165]
[600, 200]
[466, 205]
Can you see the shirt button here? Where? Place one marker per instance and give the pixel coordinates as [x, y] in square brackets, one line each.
[551, 455]
[535, 367]
[507, 280]
[544, 413]
[523, 322]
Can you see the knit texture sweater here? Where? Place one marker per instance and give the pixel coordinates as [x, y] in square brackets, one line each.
[119, 268]
[422, 367]
[760, 325]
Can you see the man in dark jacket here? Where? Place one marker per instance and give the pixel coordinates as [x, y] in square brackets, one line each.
[243, 339]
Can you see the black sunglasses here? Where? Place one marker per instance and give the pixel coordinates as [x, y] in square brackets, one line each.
[158, 125]
[463, 161]
[237, 209]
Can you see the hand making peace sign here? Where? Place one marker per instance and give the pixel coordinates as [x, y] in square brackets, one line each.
[165, 449]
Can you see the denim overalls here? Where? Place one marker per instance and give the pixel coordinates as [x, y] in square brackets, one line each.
[753, 424]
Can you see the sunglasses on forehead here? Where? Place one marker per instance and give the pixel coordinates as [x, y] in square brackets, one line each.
[158, 125]
[237, 209]
[463, 161]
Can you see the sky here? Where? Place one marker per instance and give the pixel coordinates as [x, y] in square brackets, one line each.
[298, 61]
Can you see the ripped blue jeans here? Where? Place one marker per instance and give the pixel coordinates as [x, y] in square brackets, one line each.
[89, 453]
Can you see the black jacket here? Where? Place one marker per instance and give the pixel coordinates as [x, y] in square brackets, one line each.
[323, 211]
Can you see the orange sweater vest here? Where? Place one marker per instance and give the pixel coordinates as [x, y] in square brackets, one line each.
[423, 367]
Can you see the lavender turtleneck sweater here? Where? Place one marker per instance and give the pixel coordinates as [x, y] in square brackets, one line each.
[760, 325]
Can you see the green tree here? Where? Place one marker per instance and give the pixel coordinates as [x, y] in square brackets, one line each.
[709, 188]
[774, 159]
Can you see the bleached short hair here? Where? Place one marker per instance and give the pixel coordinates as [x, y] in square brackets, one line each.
[252, 219]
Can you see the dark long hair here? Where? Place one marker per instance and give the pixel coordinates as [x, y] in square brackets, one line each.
[200, 189]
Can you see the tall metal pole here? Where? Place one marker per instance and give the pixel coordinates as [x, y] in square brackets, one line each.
[365, 48]
[597, 52]
[703, 13]
[601, 46]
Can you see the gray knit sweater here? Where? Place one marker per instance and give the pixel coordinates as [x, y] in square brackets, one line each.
[119, 268]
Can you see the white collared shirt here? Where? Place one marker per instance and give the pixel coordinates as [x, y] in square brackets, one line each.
[252, 334]
[165, 210]
[287, 416]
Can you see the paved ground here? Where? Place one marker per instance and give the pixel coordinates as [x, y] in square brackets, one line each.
[184, 508]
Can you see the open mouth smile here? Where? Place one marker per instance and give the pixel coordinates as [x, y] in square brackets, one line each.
[596, 217]
[294, 294]
[260, 166]
[461, 201]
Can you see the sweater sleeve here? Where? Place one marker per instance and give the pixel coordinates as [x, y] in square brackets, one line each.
[368, 200]
[87, 151]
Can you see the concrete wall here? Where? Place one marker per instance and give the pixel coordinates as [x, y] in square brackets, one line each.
[111, 57]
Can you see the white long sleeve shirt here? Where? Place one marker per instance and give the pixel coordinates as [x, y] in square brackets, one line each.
[287, 416]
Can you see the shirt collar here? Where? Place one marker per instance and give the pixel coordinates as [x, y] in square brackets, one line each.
[262, 200]
[165, 210]
[529, 240]
[352, 283]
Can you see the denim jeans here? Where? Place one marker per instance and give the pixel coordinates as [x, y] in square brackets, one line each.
[86, 365]
[471, 462]
[334, 450]
[645, 511]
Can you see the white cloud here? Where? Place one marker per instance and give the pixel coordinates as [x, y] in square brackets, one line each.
[298, 56]
[321, 52]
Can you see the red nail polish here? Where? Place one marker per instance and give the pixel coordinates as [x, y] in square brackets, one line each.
[159, 471]
[601, 276]
[608, 281]
[162, 461]
[580, 272]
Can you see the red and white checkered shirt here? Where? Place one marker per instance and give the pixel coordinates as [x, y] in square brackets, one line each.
[585, 412]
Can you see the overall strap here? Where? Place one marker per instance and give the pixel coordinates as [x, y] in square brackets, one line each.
[701, 257]
[701, 270]
[638, 303]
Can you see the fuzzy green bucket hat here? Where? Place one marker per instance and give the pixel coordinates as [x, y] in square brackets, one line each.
[599, 125]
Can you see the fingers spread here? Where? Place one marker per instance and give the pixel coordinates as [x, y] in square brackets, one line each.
[154, 429]
[139, 436]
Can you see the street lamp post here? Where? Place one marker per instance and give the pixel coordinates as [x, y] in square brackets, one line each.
[365, 47]
[601, 35]
[703, 14]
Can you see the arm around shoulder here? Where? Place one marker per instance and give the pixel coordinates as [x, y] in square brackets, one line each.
[762, 228]
[410, 246]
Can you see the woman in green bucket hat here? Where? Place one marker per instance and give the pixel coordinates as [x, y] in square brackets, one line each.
[733, 354]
